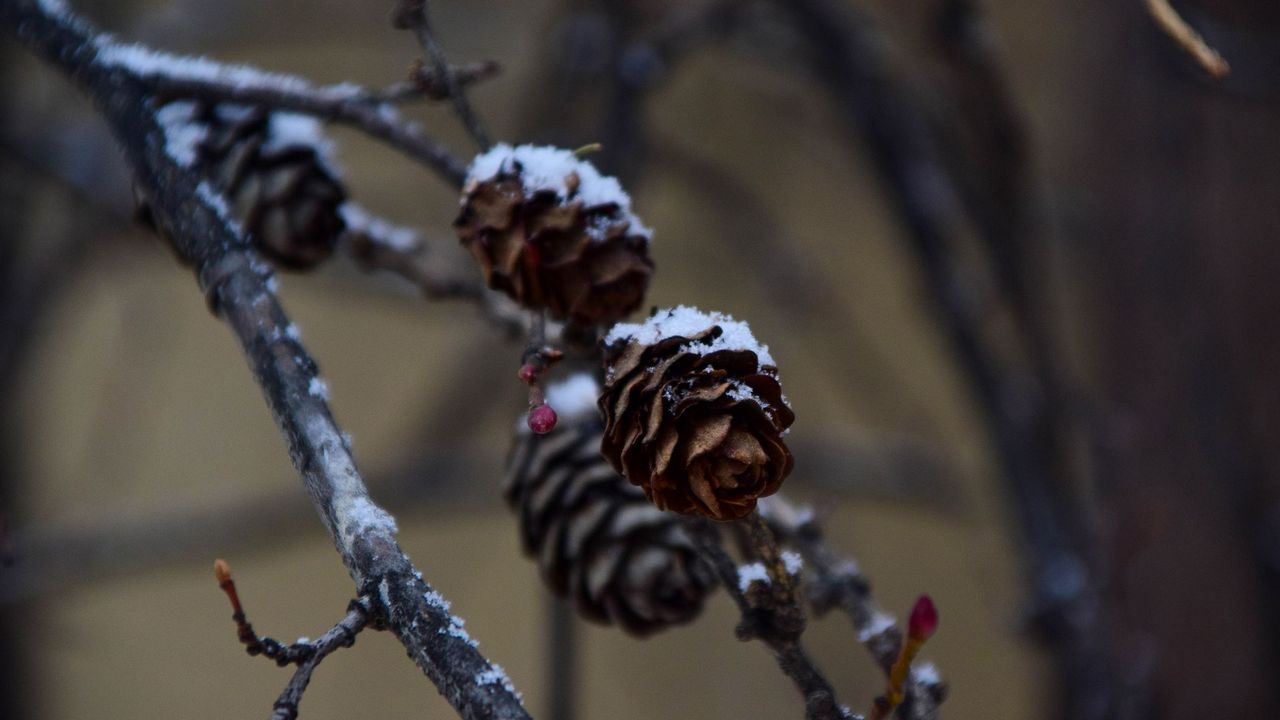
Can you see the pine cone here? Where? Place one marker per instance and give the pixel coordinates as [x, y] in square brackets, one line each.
[271, 169]
[554, 234]
[595, 537]
[694, 413]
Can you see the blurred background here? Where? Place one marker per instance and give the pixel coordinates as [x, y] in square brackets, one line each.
[1017, 261]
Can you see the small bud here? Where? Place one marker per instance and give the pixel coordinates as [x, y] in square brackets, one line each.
[222, 571]
[528, 373]
[924, 619]
[542, 419]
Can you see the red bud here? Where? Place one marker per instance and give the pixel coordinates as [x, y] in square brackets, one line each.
[529, 373]
[924, 619]
[542, 419]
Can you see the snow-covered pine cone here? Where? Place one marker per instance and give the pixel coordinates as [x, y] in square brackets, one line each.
[694, 413]
[553, 233]
[272, 170]
[595, 537]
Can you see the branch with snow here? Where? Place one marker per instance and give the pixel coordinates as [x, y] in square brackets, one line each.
[766, 595]
[373, 112]
[376, 244]
[837, 582]
[194, 220]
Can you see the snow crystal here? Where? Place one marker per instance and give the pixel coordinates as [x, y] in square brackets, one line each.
[547, 168]
[435, 599]
[793, 561]
[318, 388]
[455, 630]
[381, 232]
[272, 283]
[877, 625]
[574, 396]
[182, 135]
[927, 673]
[304, 640]
[755, 572]
[291, 330]
[495, 675]
[686, 321]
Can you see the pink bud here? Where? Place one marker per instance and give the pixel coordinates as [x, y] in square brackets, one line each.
[542, 419]
[528, 373]
[924, 619]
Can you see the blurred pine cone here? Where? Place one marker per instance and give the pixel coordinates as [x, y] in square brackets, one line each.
[271, 169]
[694, 413]
[595, 537]
[553, 233]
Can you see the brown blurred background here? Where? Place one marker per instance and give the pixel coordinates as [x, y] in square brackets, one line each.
[1042, 388]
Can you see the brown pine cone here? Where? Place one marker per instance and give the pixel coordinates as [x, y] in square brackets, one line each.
[271, 169]
[694, 413]
[596, 538]
[553, 233]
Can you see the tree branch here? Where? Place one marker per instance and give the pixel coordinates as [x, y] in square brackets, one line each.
[837, 582]
[771, 615]
[191, 216]
[412, 15]
[372, 112]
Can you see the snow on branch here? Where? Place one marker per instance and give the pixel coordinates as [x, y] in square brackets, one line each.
[197, 227]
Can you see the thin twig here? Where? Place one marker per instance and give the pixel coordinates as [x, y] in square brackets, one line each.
[412, 15]
[195, 224]
[341, 635]
[376, 244]
[428, 82]
[768, 615]
[835, 582]
[1187, 38]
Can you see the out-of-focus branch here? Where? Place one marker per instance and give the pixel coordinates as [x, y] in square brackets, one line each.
[1187, 38]
[770, 614]
[852, 64]
[376, 244]
[562, 659]
[412, 15]
[193, 219]
[429, 83]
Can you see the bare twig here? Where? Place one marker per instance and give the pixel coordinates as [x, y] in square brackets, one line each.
[341, 635]
[771, 615]
[273, 649]
[428, 82]
[1187, 38]
[412, 15]
[194, 222]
